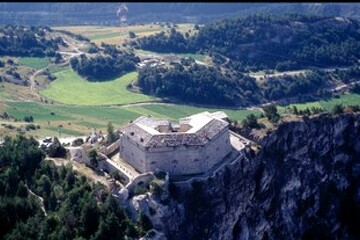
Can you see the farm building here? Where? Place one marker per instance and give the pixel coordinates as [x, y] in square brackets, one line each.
[192, 146]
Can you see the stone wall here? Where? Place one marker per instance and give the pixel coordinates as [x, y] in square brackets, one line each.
[132, 153]
[217, 149]
[111, 149]
[176, 160]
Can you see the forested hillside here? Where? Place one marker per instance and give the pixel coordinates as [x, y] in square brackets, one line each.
[41, 201]
[285, 42]
[21, 41]
[199, 84]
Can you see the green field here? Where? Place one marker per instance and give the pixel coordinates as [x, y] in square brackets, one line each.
[33, 62]
[54, 69]
[346, 99]
[77, 120]
[70, 88]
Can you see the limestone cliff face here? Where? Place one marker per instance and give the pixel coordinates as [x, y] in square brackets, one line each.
[304, 184]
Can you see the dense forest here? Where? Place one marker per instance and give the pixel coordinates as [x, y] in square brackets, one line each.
[293, 86]
[199, 84]
[284, 42]
[72, 208]
[160, 42]
[23, 42]
[111, 64]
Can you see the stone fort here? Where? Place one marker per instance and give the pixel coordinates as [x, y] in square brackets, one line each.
[192, 146]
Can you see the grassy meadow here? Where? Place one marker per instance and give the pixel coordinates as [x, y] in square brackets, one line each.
[33, 62]
[70, 88]
[346, 99]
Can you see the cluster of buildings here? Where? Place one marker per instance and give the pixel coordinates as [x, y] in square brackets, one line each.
[194, 145]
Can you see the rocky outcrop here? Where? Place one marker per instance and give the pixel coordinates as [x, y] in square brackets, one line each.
[304, 184]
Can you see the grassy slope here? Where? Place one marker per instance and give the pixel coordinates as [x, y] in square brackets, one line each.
[70, 88]
[346, 99]
[33, 62]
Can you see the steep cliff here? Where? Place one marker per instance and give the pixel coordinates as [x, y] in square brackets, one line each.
[304, 184]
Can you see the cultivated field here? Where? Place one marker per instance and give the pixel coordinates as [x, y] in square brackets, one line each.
[70, 88]
[32, 62]
[117, 35]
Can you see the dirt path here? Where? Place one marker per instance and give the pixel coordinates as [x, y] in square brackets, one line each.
[32, 80]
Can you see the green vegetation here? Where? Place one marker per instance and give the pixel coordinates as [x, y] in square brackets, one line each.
[56, 149]
[93, 158]
[284, 42]
[109, 64]
[338, 109]
[69, 209]
[251, 122]
[70, 88]
[111, 137]
[271, 113]
[55, 68]
[199, 84]
[345, 100]
[28, 42]
[62, 130]
[34, 62]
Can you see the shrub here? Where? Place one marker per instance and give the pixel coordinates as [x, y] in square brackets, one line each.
[28, 119]
[56, 149]
[338, 109]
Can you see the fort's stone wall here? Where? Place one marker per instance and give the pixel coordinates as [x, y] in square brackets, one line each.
[132, 153]
[218, 148]
[177, 160]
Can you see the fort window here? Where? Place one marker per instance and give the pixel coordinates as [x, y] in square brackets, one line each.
[196, 160]
[153, 162]
[141, 140]
[132, 133]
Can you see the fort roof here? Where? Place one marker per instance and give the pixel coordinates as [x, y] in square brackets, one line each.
[197, 129]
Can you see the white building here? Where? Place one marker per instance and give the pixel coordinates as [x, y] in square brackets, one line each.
[192, 146]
